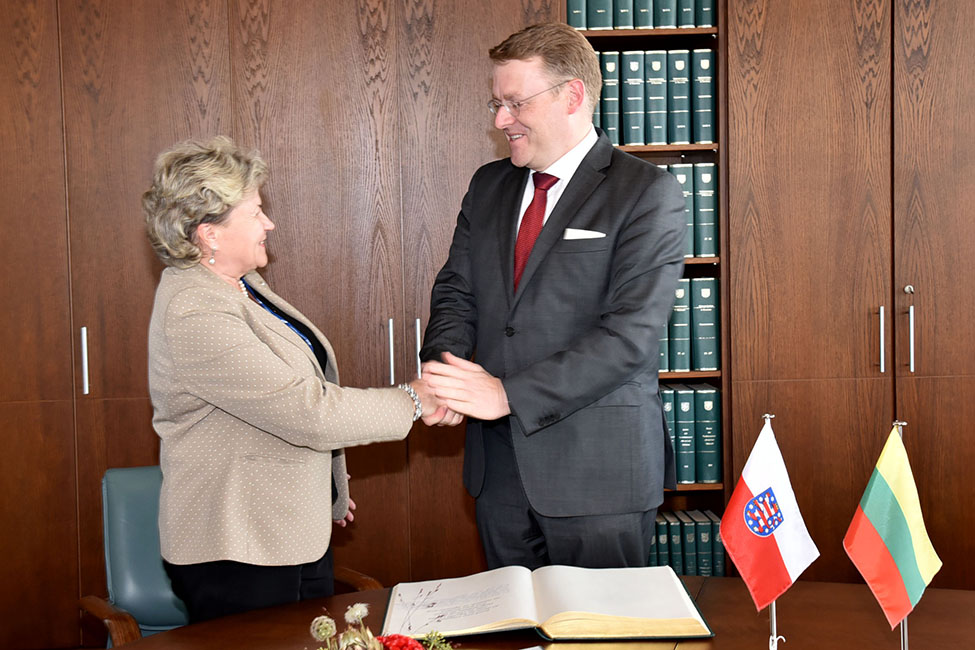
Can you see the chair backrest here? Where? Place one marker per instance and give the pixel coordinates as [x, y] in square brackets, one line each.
[137, 581]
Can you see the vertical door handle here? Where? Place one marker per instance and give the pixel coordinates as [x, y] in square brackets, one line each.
[84, 361]
[419, 371]
[392, 354]
[909, 289]
[883, 345]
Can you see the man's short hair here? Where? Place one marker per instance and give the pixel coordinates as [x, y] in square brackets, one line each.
[565, 53]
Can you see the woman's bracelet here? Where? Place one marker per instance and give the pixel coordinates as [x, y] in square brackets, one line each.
[417, 406]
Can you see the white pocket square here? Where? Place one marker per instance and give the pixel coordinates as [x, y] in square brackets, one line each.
[578, 233]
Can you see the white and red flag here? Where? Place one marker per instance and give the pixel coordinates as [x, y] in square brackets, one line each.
[762, 529]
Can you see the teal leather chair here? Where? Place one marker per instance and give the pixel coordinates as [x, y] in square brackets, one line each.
[140, 599]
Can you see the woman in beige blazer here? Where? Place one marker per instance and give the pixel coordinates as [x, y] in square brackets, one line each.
[246, 398]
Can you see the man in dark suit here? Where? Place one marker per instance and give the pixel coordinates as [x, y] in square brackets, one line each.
[567, 452]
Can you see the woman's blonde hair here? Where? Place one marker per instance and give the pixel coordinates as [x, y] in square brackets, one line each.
[196, 182]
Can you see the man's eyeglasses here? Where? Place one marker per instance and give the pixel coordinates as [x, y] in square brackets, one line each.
[514, 107]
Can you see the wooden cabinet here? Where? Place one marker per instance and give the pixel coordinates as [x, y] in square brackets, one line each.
[848, 182]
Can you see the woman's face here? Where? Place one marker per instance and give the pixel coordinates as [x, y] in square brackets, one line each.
[241, 237]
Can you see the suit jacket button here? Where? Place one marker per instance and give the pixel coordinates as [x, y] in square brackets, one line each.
[509, 331]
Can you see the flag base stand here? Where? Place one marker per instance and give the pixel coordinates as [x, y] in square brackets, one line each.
[904, 633]
[773, 639]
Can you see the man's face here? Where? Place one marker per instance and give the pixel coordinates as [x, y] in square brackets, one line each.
[539, 133]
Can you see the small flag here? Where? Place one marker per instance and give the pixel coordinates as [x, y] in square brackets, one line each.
[762, 529]
[887, 541]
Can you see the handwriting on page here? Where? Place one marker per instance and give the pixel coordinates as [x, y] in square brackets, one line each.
[427, 610]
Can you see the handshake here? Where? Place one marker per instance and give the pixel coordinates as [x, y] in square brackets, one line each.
[455, 387]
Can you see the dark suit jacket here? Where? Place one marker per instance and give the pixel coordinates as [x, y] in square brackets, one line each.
[577, 346]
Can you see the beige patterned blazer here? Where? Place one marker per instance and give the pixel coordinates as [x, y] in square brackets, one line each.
[251, 427]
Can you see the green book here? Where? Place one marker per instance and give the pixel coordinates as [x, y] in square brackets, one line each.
[610, 102]
[717, 547]
[684, 419]
[705, 325]
[704, 13]
[676, 547]
[704, 556]
[707, 433]
[678, 96]
[599, 14]
[685, 13]
[632, 84]
[688, 531]
[670, 413]
[643, 14]
[679, 328]
[652, 556]
[663, 540]
[685, 176]
[702, 96]
[597, 113]
[664, 14]
[664, 352]
[575, 13]
[705, 210]
[655, 70]
[623, 14]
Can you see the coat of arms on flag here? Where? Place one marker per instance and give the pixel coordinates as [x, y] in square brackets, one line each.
[762, 514]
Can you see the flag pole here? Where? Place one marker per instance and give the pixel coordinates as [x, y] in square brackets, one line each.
[900, 424]
[773, 640]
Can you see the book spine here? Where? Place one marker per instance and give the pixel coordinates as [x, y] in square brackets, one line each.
[623, 14]
[663, 540]
[599, 14]
[655, 69]
[685, 176]
[643, 14]
[632, 93]
[702, 96]
[685, 451]
[685, 13]
[717, 547]
[704, 13]
[575, 13]
[678, 97]
[610, 113]
[665, 14]
[676, 547]
[679, 328]
[705, 340]
[670, 413]
[705, 560]
[705, 210]
[688, 531]
[707, 434]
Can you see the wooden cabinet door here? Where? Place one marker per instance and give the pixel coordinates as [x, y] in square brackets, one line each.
[809, 234]
[934, 254]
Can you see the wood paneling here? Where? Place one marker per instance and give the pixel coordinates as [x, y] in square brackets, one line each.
[809, 187]
[830, 433]
[934, 251]
[315, 90]
[34, 292]
[137, 77]
[39, 544]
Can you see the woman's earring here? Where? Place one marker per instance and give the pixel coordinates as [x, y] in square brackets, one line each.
[212, 261]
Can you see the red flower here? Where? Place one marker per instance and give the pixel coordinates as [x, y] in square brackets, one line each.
[399, 642]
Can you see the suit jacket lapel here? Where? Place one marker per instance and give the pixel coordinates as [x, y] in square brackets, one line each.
[585, 180]
[508, 208]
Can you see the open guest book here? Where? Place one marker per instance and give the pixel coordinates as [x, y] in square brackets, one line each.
[559, 602]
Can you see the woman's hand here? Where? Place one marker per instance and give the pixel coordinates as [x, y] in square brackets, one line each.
[434, 412]
[349, 517]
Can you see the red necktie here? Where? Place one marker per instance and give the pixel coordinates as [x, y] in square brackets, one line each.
[531, 222]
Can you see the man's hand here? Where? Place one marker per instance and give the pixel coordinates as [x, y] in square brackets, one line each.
[466, 388]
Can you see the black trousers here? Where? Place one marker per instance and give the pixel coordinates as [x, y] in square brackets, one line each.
[224, 587]
[512, 532]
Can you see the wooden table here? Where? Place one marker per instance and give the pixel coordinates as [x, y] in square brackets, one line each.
[815, 615]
